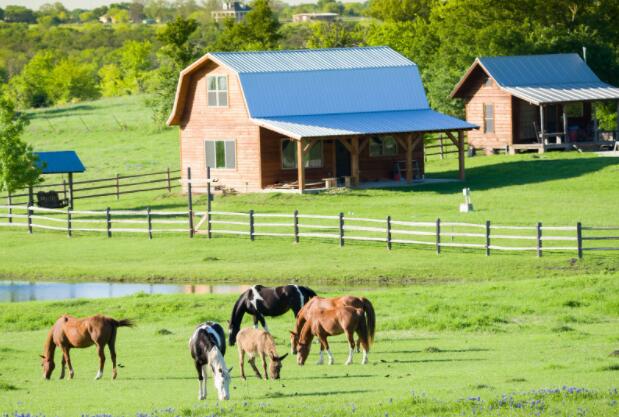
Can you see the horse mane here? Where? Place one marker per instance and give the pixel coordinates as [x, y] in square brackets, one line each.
[237, 311]
[49, 347]
[306, 335]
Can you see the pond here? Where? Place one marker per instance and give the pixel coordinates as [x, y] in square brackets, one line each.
[16, 291]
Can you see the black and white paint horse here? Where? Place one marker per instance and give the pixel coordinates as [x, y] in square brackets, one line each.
[260, 301]
[208, 347]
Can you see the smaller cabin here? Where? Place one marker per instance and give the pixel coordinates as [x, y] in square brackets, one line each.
[315, 17]
[534, 102]
[235, 10]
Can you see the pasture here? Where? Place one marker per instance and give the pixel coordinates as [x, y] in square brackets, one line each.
[531, 347]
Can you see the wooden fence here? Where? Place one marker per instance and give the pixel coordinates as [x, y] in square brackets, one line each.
[441, 146]
[486, 237]
[103, 187]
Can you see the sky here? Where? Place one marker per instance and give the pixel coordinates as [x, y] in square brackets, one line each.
[90, 4]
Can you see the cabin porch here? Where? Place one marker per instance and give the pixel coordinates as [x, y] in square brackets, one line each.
[558, 126]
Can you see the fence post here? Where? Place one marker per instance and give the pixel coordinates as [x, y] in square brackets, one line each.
[389, 232]
[487, 237]
[438, 236]
[341, 222]
[295, 221]
[108, 218]
[149, 220]
[29, 219]
[69, 232]
[539, 239]
[579, 239]
[169, 182]
[189, 202]
[208, 201]
[440, 139]
[10, 203]
[251, 225]
[117, 186]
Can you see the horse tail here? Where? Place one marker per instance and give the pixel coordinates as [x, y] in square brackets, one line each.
[123, 323]
[370, 318]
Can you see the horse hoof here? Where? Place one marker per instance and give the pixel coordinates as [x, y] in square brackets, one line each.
[99, 375]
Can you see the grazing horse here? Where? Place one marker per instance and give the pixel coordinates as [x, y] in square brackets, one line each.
[333, 321]
[262, 301]
[258, 342]
[208, 347]
[318, 303]
[69, 332]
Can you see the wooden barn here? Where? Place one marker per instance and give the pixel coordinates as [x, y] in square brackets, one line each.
[534, 102]
[350, 115]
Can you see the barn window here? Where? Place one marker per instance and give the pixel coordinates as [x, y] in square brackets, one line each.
[488, 118]
[217, 90]
[383, 146]
[487, 82]
[312, 159]
[220, 154]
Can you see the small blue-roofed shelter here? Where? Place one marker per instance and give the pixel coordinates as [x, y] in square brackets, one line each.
[358, 113]
[535, 102]
[60, 162]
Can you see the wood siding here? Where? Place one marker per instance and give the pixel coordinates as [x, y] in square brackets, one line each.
[201, 122]
[475, 95]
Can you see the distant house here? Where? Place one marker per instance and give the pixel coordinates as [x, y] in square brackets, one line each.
[534, 102]
[106, 19]
[311, 17]
[293, 119]
[235, 10]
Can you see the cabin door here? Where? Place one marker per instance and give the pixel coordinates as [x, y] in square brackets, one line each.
[342, 160]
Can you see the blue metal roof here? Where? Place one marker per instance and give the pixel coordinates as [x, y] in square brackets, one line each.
[59, 162]
[423, 120]
[328, 92]
[312, 59]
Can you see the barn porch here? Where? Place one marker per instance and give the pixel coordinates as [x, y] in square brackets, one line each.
[358, 161]
[561, 126]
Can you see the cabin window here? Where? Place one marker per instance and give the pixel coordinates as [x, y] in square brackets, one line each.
[487, 82]
[220, 154]
[383, 146]
[488, 118]
[312, 159]
[217, 90]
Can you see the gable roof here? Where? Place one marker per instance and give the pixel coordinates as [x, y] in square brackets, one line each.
[59, 162]
[540, 79]
[301, 83]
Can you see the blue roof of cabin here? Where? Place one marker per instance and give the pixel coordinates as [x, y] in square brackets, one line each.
[59, 162]
[531, 70]
[326, 81]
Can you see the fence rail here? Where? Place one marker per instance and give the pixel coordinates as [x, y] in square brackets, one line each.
[488, 237]
[103, 187]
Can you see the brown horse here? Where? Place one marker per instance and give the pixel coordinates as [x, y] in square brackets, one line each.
[255, 342]
[318, 303]
[69, 332]
[333, 321]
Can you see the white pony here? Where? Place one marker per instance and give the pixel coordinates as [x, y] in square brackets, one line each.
[208, 347]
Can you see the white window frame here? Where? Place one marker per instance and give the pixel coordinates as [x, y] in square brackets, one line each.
[224, 141]
[218, 90]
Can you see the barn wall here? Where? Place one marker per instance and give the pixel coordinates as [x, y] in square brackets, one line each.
[200, 123]
[475, 95]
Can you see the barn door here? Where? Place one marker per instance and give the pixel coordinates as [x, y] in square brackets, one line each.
[342, 160]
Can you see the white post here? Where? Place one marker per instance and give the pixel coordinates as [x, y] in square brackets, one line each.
[617, 131]
[541, 123]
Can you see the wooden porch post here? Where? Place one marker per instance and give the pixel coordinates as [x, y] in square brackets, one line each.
[461, 154]
[354, 160]
[617, 132]
[300, 165]
[541, 124]
[71, 190]
[409, 157]
[566, 138]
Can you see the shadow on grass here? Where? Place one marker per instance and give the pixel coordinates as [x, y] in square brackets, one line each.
[49, 113]
[329, 393]
[396, 361]
[345, 376]
[513, 173]
[437, 352]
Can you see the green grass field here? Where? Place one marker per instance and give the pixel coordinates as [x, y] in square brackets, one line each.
[458, 334]
[491, 349]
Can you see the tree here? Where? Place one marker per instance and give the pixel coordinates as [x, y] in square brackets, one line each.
[1, 13]
[17, 161]
[331, 35]
[19, 14]
[31, 87]
[259, 30]
[399, 10]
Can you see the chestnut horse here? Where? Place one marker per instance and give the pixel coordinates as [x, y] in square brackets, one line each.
[317, 303]
[333, 321]
[69, 332]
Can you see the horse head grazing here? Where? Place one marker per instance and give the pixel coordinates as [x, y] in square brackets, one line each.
[221, 374]
[303, 350]
[48, 366]
[276, 365]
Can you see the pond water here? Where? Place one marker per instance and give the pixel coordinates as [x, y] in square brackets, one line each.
[15, 291]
